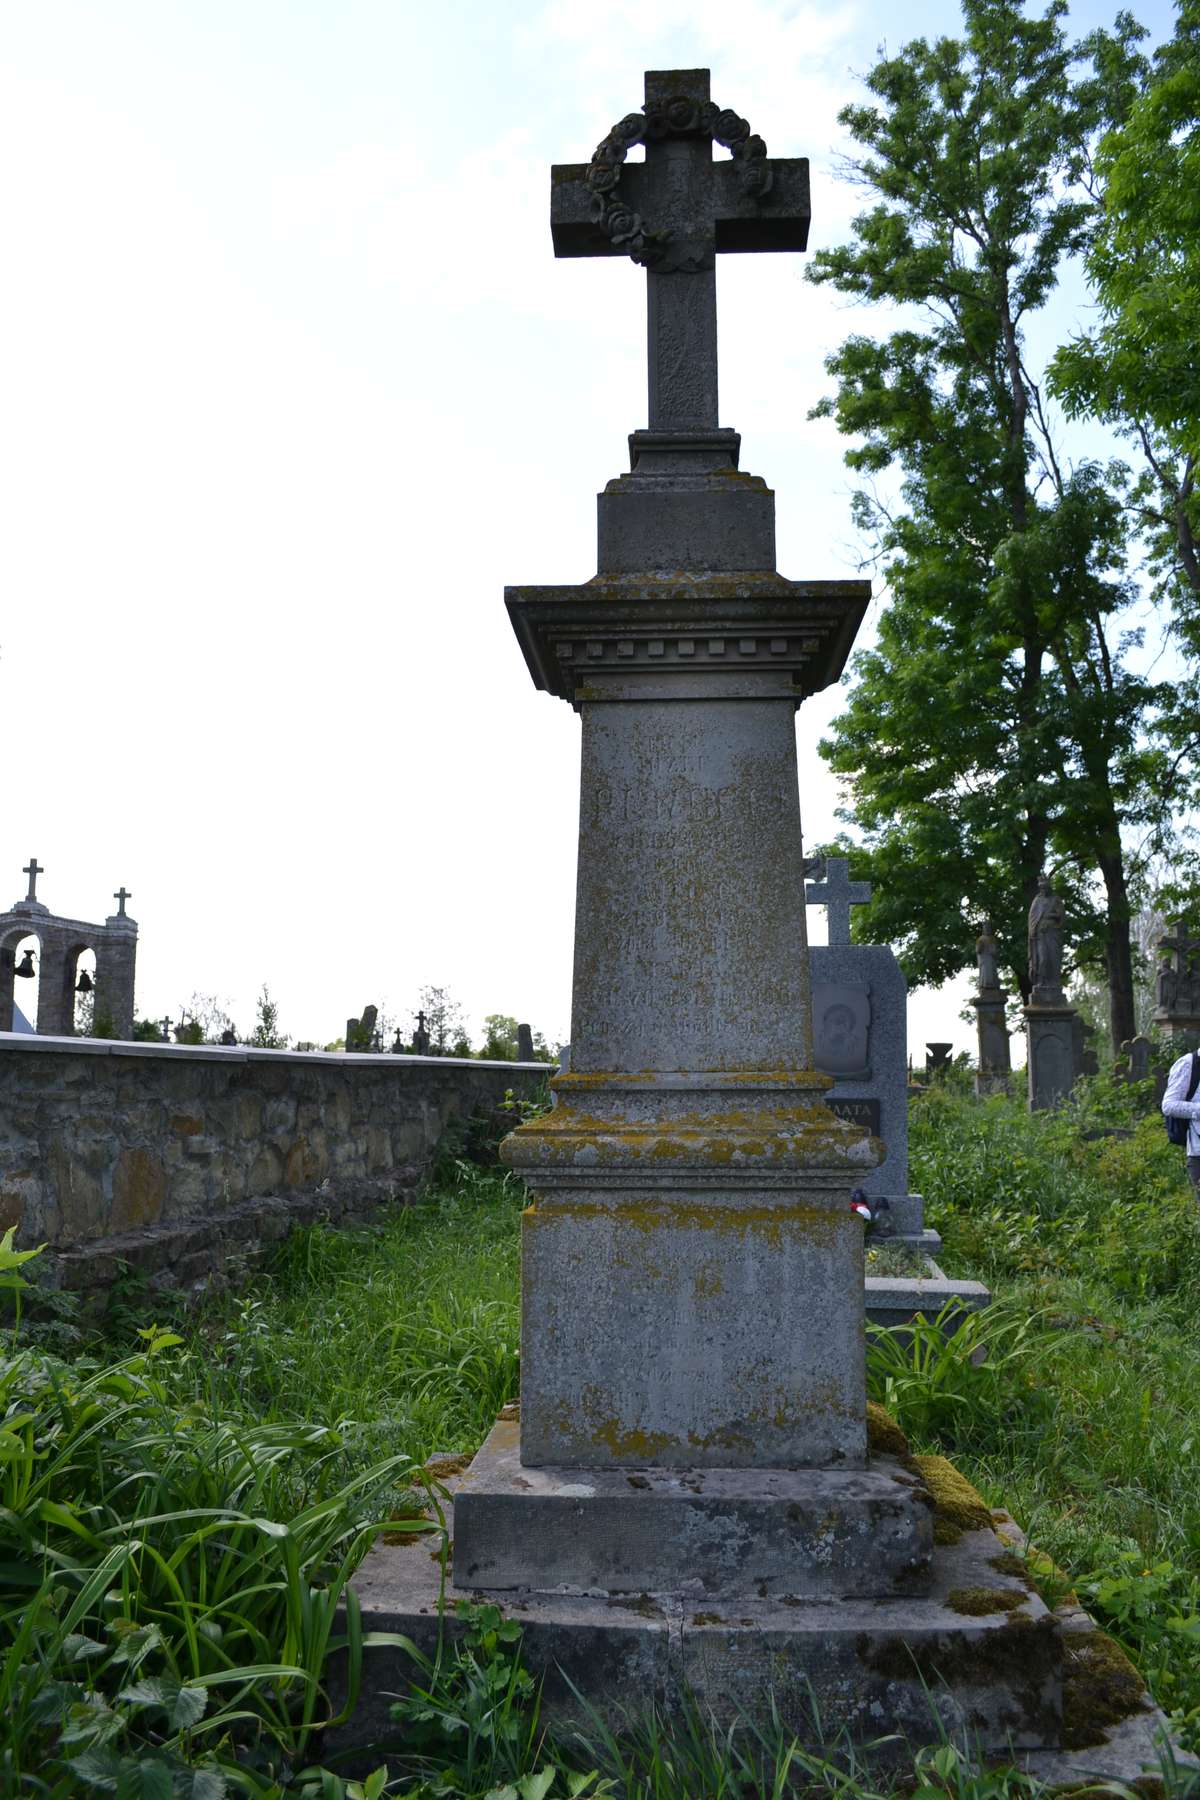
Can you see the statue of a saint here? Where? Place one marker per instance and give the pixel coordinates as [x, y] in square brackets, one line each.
[1046, 918]
[1168, 985]
[985, 956]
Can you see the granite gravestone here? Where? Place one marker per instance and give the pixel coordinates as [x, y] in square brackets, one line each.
[860, 1037]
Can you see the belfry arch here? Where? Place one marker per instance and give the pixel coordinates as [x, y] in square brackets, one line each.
[62, 941]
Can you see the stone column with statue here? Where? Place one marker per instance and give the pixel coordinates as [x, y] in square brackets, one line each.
[1052, 1026]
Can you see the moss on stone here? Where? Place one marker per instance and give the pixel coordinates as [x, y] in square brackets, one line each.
[1021, 1651]
[884, 1436]
[1100, 1688]
[444, 1468]
[976, 1603]
[956, 1504]
[1009, 1563]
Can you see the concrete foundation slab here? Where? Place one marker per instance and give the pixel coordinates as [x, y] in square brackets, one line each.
[784, 1533]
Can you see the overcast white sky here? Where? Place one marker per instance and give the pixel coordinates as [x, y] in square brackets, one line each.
[292, 385]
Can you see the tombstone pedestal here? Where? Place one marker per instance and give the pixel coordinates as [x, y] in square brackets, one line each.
[993, 1075]
[1050, 1036]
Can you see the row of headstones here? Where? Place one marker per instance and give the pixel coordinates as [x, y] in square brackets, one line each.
[363, 1038]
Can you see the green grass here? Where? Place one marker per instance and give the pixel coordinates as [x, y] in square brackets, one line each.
[401, 1338]
[180, 1514]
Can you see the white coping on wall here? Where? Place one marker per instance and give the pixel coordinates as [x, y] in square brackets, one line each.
[244, 1053]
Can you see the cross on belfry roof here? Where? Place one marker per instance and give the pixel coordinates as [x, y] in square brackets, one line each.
[33, 869]
[674, 213]
[121, 896]
[837, 894]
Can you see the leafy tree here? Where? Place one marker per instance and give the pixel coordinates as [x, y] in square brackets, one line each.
[1138, 369]
[500, 1038]
[445, 1023]
[996, 727]
[266, 1034]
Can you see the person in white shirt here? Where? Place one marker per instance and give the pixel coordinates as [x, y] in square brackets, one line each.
[1176, 1105]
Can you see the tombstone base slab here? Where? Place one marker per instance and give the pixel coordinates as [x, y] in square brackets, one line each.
[917, 1666]
[794, 1534]
[898, 1300]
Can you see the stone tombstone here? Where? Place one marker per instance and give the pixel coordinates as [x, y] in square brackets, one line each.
[361, 1034]
[692, 1111]
[1054, 1033]
[421, 1037]
[686, 1500]
[1086, 1060]
[995, 1056]
[937, 1058]
[860, 1037]
[1177, 1013]
[61, 942]
[524, 1043]
[1138, 1052]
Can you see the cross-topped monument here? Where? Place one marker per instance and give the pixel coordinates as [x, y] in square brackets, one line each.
[674, 213]
[693, 1421]
[837, 894]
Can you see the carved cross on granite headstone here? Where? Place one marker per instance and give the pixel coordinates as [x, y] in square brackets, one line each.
[673, 213]
[837, 894]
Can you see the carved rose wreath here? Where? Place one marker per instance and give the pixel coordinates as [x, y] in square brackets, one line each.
[678, 116]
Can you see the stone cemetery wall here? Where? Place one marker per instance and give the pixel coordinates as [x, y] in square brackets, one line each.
[175, 1159]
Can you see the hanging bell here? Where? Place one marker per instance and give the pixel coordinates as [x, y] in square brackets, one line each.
[84, 984]
[25, 966]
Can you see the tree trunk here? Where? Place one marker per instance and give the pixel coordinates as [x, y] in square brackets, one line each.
[1117, 951]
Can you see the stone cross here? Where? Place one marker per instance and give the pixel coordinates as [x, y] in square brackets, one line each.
[837, 894]
[674, 213]
[166, 1030]
[121, 896]
[33, 869]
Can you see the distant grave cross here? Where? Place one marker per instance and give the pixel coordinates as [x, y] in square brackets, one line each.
[837, 894]
[121, 896]
[673, 214]
[166, 1030]
[33, 869]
